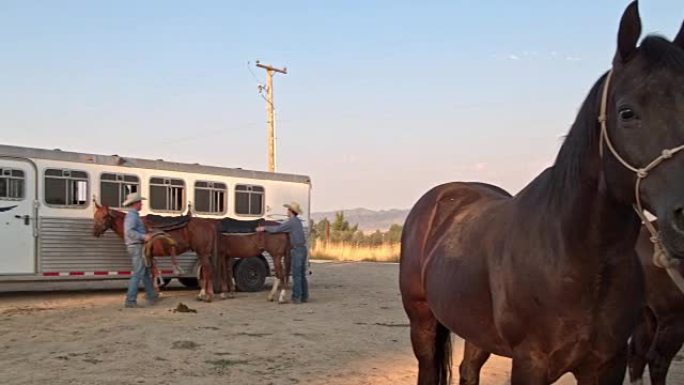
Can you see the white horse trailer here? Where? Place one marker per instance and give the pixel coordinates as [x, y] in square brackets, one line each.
[46, 210]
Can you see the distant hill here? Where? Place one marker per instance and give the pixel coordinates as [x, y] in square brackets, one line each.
[368, 220]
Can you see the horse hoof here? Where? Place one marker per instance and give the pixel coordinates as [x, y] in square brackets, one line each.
[269, 299]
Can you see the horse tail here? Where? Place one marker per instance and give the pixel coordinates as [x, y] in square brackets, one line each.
[442, 359]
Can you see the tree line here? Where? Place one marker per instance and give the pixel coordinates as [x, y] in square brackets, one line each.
[340, 231]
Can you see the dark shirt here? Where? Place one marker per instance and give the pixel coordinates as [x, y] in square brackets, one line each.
[293, 227]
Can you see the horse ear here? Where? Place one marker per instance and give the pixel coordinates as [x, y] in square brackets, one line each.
[628, 36]
[679, 40]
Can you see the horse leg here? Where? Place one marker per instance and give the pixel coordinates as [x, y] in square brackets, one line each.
[528, 371]
[177, 270]
[431, 343]
[611, 372]
[285, 275]
[614, 372]
[277, 266]
[208, 278]
[227, 285]
[473, 359]
[202, 283]
[668, 340]
[156, 276]
[206, 283]
[639, 345]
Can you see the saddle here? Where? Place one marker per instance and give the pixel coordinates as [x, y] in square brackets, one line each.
[148, 252]
[235, 226]
[163, 223]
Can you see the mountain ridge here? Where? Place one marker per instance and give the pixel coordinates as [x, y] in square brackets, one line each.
[368, 220]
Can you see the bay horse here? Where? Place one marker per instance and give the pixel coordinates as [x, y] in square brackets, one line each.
[198, 235]
[550, 276]
[660, 335]
[248, 243]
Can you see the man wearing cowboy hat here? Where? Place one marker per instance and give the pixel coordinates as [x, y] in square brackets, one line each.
[135, 235]
[293, 227]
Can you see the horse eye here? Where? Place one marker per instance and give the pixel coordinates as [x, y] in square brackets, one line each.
[627, 113]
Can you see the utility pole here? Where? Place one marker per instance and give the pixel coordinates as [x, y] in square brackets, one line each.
[269, 111]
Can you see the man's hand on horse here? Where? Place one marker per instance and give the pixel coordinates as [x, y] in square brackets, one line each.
[260, 228]
[148, 236]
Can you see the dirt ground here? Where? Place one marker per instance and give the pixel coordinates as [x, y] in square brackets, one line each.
[354, 331]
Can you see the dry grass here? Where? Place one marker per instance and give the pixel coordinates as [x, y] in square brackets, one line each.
[350, 252]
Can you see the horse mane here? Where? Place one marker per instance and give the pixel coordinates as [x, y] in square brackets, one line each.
[661, 52]
[579, 146]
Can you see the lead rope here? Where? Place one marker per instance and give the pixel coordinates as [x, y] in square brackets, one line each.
[661, 258]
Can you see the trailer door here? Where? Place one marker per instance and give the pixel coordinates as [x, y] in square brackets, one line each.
[18, 217]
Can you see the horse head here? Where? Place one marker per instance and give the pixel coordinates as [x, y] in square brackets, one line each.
[642, 128]
[102, 220]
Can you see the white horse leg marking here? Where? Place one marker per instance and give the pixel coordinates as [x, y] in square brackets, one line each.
[274, 289]
[202, 294]
[282, 298]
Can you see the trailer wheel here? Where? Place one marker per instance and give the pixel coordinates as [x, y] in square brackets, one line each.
[250, 274]
[189, 282]
[165, 282]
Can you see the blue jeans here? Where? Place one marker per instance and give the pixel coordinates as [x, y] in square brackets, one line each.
[139, 272]
[300, 287]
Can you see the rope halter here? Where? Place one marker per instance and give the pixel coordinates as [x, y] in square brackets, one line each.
[661, 258]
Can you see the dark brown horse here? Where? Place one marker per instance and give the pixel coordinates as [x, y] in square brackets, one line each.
[656, 340]
[660, 335]
[550, 277]
[252, 244]
[199, 235]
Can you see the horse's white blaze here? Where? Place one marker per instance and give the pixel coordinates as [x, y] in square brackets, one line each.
[274, 289]
[281, 299]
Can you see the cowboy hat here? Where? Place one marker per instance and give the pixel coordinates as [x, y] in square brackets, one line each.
[132, 198]
[294, 206]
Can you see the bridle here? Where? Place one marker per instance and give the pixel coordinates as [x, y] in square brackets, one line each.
[661, 257]
[107, 222]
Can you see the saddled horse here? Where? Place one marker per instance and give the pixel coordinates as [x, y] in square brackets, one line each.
[550, 277]
[239, 239]
[195, 234]
[660, 335]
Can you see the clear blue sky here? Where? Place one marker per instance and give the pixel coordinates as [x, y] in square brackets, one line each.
[383, 99]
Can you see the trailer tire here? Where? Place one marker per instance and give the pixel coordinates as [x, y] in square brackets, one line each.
[189, 282]
[250, 274]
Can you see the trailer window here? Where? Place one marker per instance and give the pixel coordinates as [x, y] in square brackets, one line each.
[11, 184]
[210, 197]
[249, 200]
[115, 187]
[167, 194]
[66, 188]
